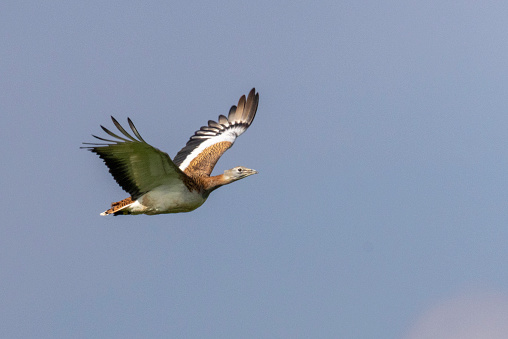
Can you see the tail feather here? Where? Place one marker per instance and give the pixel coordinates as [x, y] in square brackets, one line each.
[118, 207]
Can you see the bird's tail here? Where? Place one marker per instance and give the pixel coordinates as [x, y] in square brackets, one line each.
[119, 207]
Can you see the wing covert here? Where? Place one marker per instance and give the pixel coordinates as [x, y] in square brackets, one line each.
[207, 145]
[135, 165]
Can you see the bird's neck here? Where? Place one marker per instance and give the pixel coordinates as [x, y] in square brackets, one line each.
[212, 183]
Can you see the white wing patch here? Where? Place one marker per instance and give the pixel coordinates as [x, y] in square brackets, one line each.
[230, 135]
[226, 129]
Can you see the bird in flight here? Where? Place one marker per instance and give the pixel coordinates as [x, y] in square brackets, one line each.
[156, 183]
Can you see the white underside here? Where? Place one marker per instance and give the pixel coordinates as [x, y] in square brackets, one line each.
[167, 199]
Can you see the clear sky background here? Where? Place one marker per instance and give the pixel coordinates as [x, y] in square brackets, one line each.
[381, 140]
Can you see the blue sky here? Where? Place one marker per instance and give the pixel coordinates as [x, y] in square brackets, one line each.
[380, 142]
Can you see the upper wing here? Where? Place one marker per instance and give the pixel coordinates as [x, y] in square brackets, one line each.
[206, 146]
[136, 166]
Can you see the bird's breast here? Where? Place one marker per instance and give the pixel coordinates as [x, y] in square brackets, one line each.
[171, 199]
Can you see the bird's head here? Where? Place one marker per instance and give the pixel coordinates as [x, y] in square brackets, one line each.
[238, 173]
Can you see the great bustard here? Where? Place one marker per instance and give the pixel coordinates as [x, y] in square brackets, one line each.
[156, 183]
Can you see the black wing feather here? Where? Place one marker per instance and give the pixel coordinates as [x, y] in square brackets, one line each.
[134, 164]
[239, 116]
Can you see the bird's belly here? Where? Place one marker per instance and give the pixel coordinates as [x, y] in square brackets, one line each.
[165, 199]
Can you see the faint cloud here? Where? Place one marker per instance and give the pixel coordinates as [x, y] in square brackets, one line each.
[467, 316]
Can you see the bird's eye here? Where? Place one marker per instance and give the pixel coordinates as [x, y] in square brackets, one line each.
[239, 170]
